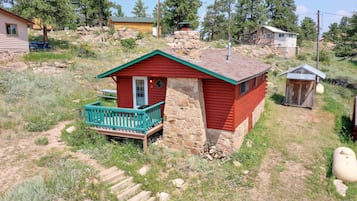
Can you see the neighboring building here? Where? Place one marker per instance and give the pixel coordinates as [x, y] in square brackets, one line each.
[37, 25]
[13, 33]
[301, 85]
[284, 41]
[142, 24]
[206, 100]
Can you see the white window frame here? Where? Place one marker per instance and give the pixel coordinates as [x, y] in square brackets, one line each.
[146, 98]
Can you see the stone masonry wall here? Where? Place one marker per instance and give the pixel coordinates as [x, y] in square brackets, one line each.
[184, 118]
[228, 141]
[258, 111]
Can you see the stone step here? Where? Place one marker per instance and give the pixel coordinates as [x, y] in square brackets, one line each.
[107, 171]
[113, 177]
[151, 199]
[125, 183]
[127, 193]
[142, 196]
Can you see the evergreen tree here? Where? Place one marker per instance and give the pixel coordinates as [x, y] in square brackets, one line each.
[334, 34]
[250, 14]
[139, 9]
[282, 14]
[119, 11]
[308, 29]
[215, 21]
[347, 45]
[57, 13]
[180, 11]
[94, 12]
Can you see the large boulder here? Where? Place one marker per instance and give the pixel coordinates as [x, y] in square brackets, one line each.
[344, 165]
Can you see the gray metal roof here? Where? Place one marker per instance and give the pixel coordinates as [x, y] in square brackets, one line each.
[307, 68]
[297, 76]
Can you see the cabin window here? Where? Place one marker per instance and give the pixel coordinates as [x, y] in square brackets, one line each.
[281, 35]
[256, 82]
[11, 29]
[244, 87]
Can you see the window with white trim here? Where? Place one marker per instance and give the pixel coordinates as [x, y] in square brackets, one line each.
[11, 29]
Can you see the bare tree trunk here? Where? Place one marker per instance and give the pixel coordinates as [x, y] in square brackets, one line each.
[45, 36]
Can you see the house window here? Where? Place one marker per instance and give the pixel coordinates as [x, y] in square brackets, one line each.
[281, 35]
[244, 87]
[291, 35]
[11, 29]
[256, 82]
[269, 35]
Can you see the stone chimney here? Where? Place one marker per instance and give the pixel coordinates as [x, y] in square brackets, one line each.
[187, 43]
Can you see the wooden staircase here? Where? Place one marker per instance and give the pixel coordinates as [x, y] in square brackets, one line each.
[124, 186]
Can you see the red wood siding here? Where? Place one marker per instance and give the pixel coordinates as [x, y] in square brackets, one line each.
[245, 104]
[125, 92]
[159, 66]
[157, 94]
[219, 99]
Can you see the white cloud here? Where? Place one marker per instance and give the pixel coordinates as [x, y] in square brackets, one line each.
[344, 13]
[301, 10]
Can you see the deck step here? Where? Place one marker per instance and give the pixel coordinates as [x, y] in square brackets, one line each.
[125, 183]
[129, 192]
[142, 196]
[113, 177]
[107, 171]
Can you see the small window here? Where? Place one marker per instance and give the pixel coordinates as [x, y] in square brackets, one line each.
[256, 82]
[281, 35]
[11, 29]
[244, 87]
[291, 35]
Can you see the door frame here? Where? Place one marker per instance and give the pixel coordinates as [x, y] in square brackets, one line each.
[145, 90]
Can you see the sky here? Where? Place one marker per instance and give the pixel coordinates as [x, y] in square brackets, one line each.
[331, 10]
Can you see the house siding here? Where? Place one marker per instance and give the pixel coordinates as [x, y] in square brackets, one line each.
[124, 92]
[159, 66]
[219, 99]
[244, 105]
[17, 43]
[142, 27]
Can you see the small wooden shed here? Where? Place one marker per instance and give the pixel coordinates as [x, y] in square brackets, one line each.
[301, 85]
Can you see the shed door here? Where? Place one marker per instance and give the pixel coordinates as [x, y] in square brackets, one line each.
[140, 91]
[301, 93]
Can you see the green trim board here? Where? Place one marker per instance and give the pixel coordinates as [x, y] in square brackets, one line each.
[169, 56]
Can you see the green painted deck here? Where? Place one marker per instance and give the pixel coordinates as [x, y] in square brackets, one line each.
[124, 122]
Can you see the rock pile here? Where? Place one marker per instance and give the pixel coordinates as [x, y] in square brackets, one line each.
[95, 34]
[211, 152]
[186, 42]
[9, 56]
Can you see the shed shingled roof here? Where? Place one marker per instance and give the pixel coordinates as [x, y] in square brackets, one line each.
[132, 19]
[213, 62]
[276, 30]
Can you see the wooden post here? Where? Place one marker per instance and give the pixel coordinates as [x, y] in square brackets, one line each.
[318, 40]
[145, 143]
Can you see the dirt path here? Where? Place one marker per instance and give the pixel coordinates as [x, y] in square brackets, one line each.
[295, 163]
[18, 156]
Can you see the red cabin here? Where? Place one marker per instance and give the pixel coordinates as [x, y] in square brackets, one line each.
[207, 100]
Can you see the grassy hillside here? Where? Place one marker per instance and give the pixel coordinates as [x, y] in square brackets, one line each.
[289, 151]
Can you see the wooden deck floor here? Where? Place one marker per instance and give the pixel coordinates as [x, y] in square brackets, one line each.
[130, 134]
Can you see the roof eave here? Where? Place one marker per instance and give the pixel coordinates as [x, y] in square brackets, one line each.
[164, 54]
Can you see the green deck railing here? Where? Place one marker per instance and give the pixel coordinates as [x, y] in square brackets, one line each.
[138, 120]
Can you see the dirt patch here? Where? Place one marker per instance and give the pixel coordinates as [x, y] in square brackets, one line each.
[19, 153]
[298, 137]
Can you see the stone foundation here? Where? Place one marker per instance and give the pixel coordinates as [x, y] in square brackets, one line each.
[230, 142]
[184, 118]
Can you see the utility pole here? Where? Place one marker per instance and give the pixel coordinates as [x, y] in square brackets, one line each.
[318, 40]
[158, 20]
[229, 30]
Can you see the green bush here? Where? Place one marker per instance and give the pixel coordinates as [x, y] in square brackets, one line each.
[85, 51]
[140, 36]
[128, 44]
[301, 57]
[41, 141]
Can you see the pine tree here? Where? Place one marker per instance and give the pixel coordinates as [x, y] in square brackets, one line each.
[215, 21]
[57, 13]
[180, 11]
[139, 9]
[119, 11]
[347, 45]
[94, 11]
[250, 14]
[282, 14]
[308, 29]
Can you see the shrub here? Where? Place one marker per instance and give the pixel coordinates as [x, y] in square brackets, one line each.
[128, 44]
[41, 141]
[140, 36]
[301, 57]
[85, 51]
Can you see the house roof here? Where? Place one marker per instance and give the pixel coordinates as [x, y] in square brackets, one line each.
[276, 30]
[213, 62]
[11, 14]
[308, 68]
[297, 76]
[132, 19]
